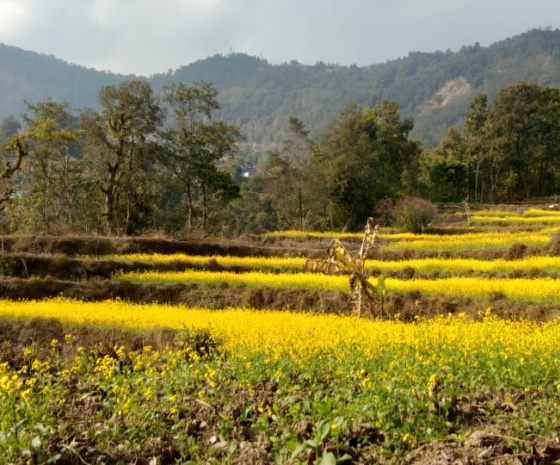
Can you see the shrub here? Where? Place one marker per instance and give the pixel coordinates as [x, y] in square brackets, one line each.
[413, 214]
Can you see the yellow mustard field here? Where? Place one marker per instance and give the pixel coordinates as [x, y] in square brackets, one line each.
[421, 265]
[469, 241]
[457, 265]
[253, 278]
[528, 216]
[515, 219]
[545, 290]
[391, 240]
[300, 334]
[529, 212]
[409, 383]
[227, 260]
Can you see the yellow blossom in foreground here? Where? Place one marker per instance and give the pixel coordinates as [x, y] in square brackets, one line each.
[296, 333]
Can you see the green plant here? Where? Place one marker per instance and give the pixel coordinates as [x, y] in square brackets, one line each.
[315, 446]
[414, 214]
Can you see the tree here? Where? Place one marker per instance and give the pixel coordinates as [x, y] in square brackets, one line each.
[512, 149]
[9, 126]
[476, 142]
[12, 154]
[195, 146]
[120, 149]
[251, 213]
[525, 123]
[365, 155]
[545, 131]
[513, 111]
[53, 174]
[48, 184]
[287, 181]
[297, 150]
[399, 155]
[447, 174]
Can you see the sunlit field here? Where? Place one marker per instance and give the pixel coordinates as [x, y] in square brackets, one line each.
[407, 383]
[531, 215]
[245, 262]
[421, 266]
[469, 241]
[390, 240]
[544, 290]
[297, 333]
[109, 380]
[468, 265]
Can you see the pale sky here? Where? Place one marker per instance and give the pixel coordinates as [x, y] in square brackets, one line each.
[145, 37]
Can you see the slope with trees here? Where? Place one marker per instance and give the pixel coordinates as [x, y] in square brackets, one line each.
[434, 89]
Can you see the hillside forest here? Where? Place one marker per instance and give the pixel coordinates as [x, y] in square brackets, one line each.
[147, 162]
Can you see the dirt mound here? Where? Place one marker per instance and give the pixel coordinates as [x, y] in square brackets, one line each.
[98, 245]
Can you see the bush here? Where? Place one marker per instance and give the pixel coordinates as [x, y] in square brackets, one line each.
[413, 214]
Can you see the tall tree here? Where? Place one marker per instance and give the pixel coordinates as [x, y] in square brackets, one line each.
[48, 185]
[447, 174]
[545, 131]
[287, 181]
[365, 155]
[512, 148]
[196, 145]
[526, 131]
[120, 143]
[12, 154]
[476, 141]
[297, 150]
[514, 109]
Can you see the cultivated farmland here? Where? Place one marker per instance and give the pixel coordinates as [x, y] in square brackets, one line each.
[158, 351]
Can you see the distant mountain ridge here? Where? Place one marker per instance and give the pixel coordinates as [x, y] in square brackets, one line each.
[432, 88]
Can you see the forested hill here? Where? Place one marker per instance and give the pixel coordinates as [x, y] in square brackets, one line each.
[29, 76]
[433, 88]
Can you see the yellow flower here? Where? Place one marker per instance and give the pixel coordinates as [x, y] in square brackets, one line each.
[433, 384]
[409, 440]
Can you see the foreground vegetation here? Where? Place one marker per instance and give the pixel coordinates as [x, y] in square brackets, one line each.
[240, 386]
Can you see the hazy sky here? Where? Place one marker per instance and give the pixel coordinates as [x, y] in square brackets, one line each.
[152, 36]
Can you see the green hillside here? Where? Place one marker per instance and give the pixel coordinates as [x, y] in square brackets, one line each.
[433, 88]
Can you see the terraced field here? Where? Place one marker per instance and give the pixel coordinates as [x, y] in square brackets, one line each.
[155, 351]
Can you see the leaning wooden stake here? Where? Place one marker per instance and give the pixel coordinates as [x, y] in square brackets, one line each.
[339, 260]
